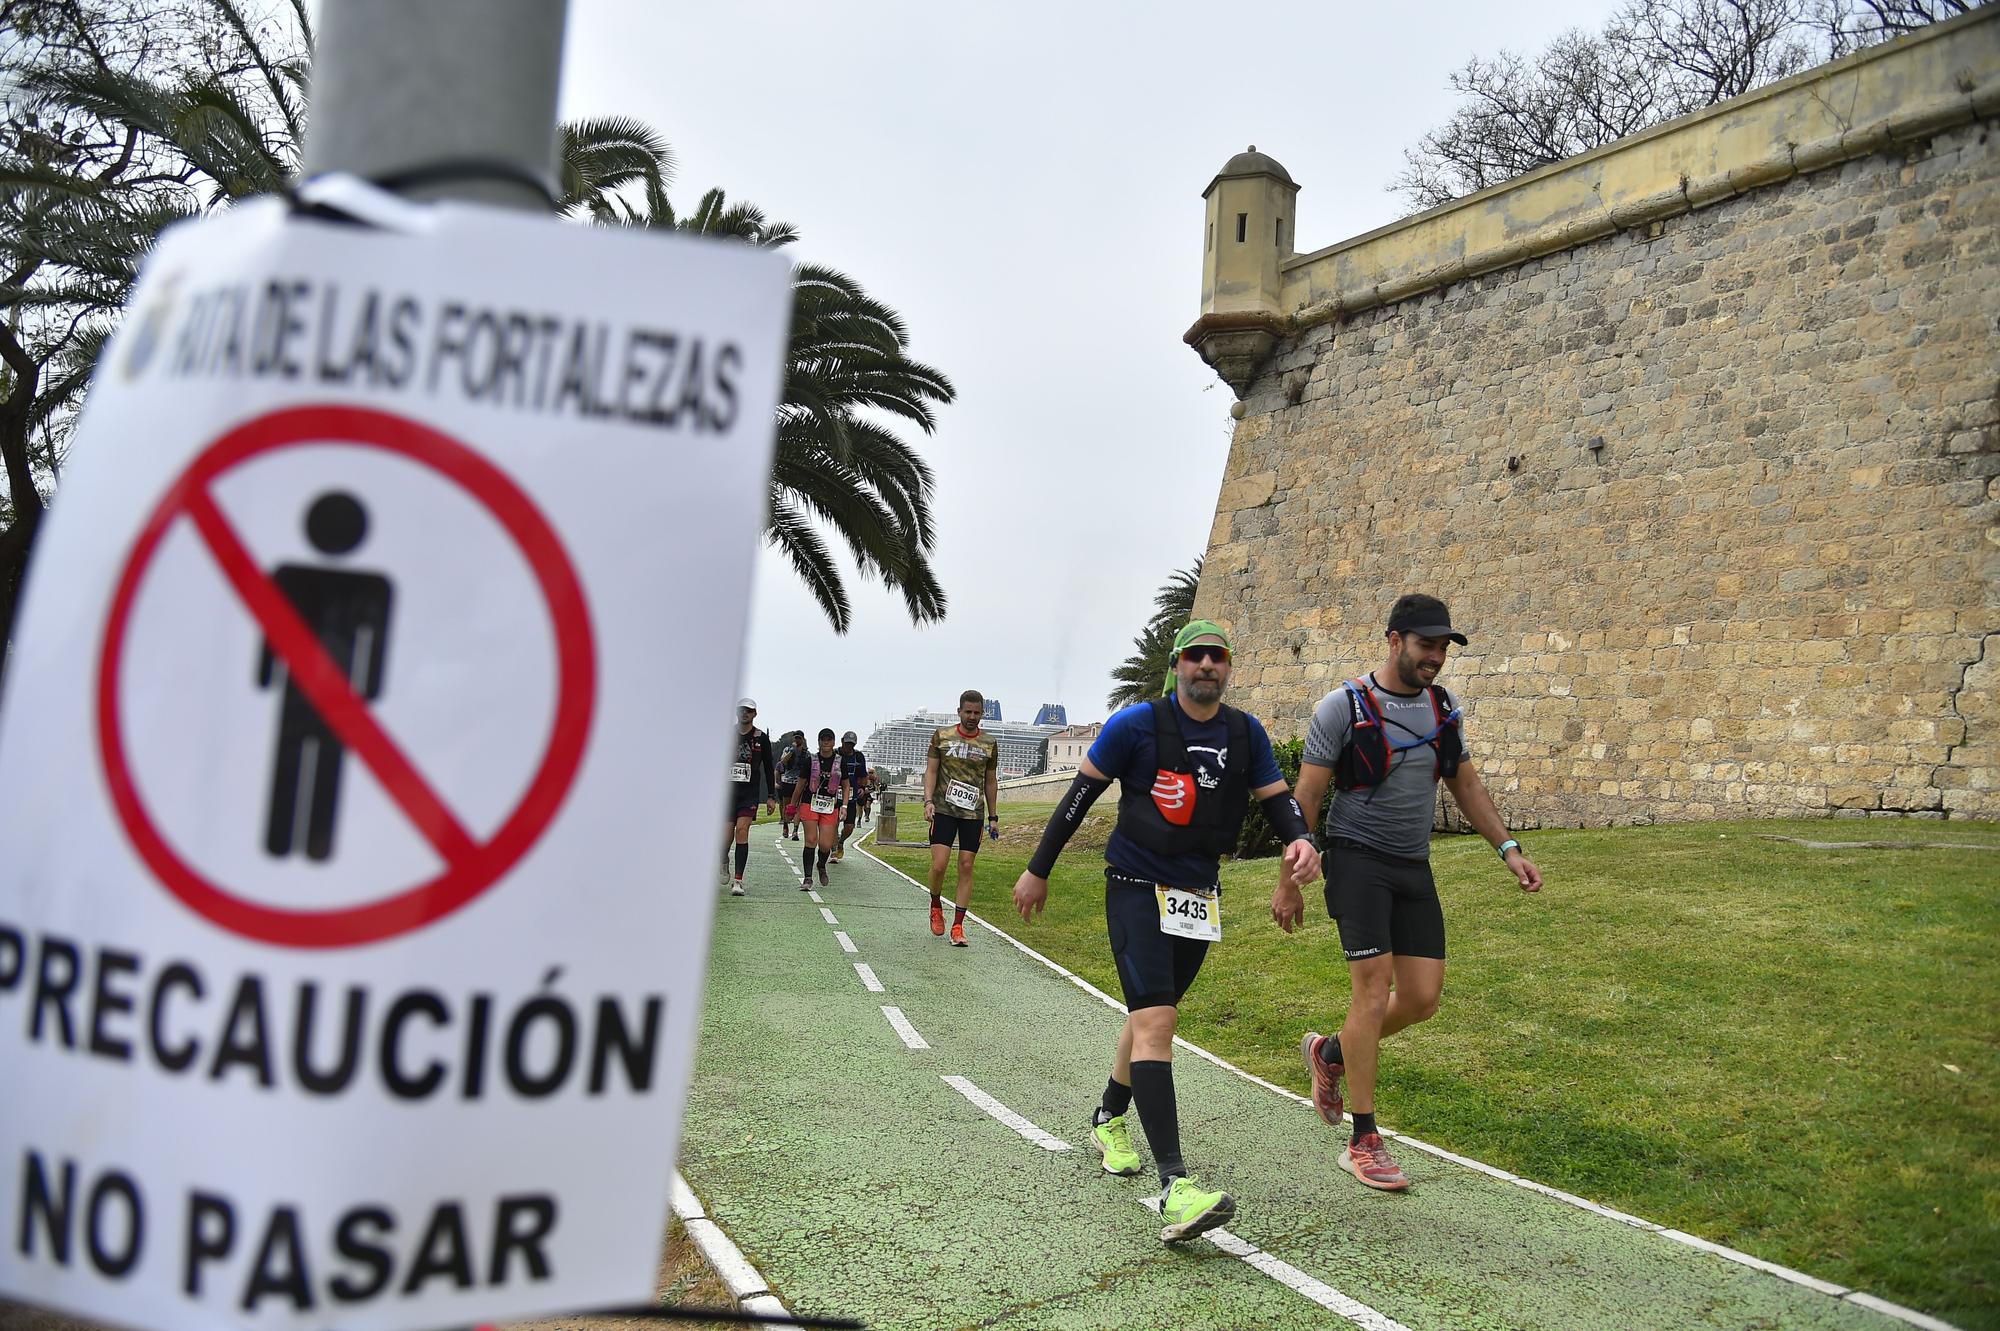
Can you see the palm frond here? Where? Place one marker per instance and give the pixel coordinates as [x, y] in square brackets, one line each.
[812, 561]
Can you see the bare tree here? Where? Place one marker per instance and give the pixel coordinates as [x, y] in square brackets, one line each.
[1654, 60]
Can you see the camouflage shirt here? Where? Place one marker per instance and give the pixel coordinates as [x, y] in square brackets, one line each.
[963, 766]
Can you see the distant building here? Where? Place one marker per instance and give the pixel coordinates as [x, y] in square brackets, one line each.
[898, 748]
[993, 709]
[1068, 746]
[1052, 714]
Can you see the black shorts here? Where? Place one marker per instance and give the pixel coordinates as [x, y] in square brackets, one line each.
[946, 829]
[1154, 969]
[742, 802]
[1382, 903]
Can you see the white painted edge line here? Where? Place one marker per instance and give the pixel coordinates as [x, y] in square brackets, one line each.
[1897, 1310]
[903, 1027]
[868, 977]
[1730, 1254]
[826, 914]
[767, 1305]
[744, 1282]
[846, 943]
[1309, 1287]
[1785, 1273]
[1013, 1120]
[1583, 1203]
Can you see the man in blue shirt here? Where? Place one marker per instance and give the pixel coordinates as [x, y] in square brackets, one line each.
[854, 771]
[1187, 767]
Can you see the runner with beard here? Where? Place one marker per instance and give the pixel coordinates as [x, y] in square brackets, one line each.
[1384, 741]
[1187, 767]
[961, 771]
[748, 772]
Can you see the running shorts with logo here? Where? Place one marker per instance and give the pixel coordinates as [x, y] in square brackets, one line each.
[947, 830]
[1155, 969]
[1382, 903]
[742, 800]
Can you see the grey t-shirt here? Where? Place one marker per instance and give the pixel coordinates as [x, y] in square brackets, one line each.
[1394, 817]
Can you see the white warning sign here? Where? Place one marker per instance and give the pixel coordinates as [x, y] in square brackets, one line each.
[355, 899]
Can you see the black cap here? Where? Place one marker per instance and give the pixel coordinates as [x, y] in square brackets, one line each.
[1425, 616]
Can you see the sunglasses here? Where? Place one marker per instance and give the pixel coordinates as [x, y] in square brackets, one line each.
[1205, 652]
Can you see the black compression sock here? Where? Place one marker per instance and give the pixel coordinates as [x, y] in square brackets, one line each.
[1363, 1124]
[809, 861]
[742, 858]
[1329, 1051]
[1153, 1092]
[1117, 1098]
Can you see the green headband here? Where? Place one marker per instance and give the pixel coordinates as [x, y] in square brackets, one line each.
[1194, 628]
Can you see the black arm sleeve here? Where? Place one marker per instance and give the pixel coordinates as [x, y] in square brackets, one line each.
[770, 777]
[1083, 793]
[1287, 817]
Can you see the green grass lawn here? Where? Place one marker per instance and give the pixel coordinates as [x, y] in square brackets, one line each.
[1791, 1051]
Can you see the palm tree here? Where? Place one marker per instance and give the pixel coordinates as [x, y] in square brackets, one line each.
[836, 465]
[1142, 673]
[72, 237]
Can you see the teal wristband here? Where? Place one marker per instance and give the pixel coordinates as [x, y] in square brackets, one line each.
[1509, 844]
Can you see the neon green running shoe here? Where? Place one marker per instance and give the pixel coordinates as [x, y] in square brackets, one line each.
[1114, 1143]
[1189, 1211]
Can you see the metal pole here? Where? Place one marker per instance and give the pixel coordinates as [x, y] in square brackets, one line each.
[403, 86]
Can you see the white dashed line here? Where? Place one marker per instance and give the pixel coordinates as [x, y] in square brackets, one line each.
[816, 897]
[846, 943]
[1325, 1295]
[827, 915]
[1006, 1115]
[1785, 1273]
[904, 1029]
[868, 977]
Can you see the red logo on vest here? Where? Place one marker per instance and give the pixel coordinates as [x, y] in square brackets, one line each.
[1173, 796]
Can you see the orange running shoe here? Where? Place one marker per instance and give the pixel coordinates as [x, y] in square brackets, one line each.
[1325, 1078]
[937, 920]
[958, 933]
[1368, 1160]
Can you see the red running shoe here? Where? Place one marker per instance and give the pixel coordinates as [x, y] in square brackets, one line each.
[958, 933]
[937, 920]
[1368, 1160]
[1325, 1079]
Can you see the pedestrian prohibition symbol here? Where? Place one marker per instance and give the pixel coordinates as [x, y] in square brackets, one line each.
[325, 692]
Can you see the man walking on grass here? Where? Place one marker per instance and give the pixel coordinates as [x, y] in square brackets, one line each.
[1384, 741]
[1187, 767]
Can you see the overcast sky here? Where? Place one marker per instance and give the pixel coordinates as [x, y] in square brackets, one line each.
[1023, 182]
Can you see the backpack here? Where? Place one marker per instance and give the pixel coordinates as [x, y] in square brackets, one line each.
[1174, 816]
[1368, 755]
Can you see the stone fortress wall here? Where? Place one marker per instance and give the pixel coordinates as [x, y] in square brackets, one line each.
[1698, 434]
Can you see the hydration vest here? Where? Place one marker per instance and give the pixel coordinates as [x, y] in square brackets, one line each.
[1176, 816]
[816, 783]
[1367, 756]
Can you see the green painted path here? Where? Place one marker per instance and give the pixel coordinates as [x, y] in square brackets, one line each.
[859, 1181]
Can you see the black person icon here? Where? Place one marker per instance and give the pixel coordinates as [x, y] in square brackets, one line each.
[349, 613]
